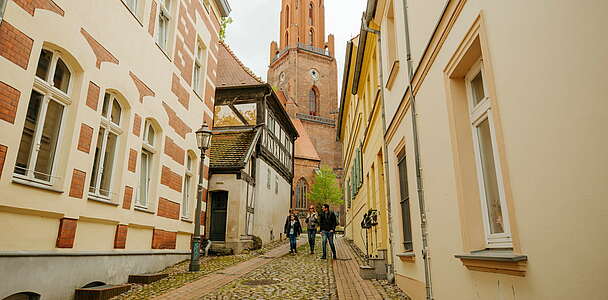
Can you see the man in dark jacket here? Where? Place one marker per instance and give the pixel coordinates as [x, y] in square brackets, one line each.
[327, 223]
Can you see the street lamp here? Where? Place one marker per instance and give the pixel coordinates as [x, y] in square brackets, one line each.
[203, 141]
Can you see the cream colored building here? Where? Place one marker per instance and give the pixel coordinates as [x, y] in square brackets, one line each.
[499, 192]
[98, 160]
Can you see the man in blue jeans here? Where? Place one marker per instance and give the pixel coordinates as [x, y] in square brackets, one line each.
[327, 223]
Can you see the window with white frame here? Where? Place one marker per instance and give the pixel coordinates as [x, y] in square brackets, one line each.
[105, 150]
[187, 194]
[199, 68]
[2, 8]
[146, 162]
[491, 188]
[36, 158]
[132, 5]
[164, 17]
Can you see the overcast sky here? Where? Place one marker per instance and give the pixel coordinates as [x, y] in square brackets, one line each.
[256, 24]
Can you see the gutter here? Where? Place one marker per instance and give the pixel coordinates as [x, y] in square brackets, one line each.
[367, 16]
[349, 50]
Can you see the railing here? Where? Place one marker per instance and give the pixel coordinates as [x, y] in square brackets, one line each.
[305, 47]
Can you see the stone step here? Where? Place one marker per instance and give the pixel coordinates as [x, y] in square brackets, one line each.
[146, 278]
[101, 292]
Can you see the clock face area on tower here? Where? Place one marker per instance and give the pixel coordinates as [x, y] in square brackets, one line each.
[314, 74]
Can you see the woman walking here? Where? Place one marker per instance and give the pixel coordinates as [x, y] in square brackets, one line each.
[312, 221]
[293, 230]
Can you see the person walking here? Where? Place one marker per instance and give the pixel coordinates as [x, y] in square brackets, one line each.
[312, 221]
[293, 229]
[327, 223]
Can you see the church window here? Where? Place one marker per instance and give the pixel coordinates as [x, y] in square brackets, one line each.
[311, 36]
[312, 102]
[310, 14]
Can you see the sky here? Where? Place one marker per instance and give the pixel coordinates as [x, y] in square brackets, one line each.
[256, 24]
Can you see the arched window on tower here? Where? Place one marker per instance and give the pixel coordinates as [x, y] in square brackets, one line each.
[286, 39]
[311, 37]
[313, 102]
[287, 17]
[301, 193]
[310, 15]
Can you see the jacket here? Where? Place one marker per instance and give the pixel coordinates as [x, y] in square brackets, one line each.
[312, 220]
[297, 227]
[328, 221]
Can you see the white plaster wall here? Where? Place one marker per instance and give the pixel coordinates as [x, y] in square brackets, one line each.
[271, 208]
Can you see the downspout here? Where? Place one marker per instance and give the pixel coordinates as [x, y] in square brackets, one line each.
[390, 262]
[423, 221]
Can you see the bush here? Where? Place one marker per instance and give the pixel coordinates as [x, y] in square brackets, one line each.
[257, 243]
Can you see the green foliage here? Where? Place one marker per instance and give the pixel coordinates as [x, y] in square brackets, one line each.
[223, 25]
[326, 190]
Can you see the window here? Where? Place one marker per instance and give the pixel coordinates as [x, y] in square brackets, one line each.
[269, 178]
[311, 38]
[131, 4]
[287, 17]
[199, 68]
[490, 185]
[164, 17]
[301, 193]
[105, 151]
[312, 102]
[405, 202]
[44, 118]
[147, 153]
[390, 29]
[187, 194]
[2, 8]
[276, 184]
[310, 14]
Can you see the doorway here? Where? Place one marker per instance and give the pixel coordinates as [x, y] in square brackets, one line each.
[219, 212]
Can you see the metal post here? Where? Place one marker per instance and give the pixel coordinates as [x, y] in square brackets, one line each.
[195, 265]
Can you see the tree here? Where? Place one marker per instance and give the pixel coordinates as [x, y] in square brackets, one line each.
[223, 24]
[326, 190]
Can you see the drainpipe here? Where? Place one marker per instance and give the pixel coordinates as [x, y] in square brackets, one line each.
[423, 221]
[390, 262]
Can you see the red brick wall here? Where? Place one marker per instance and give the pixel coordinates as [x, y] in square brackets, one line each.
[9, 100]
[31, 5]
[142, 88]
[84, 140]
[175, 122]
[127, 198]
[136, 124]
[101, 53]
[3, 150]
[132, 160]
[178, 90]
[151, 24]
[120, 238]
[168, 209]
[162, 239]
[171, 179]
[15, 45]
[93, 95]
[174, 151]
[77, 185]
[67, 233]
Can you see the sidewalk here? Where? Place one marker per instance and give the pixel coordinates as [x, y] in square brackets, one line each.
[346, 271]
[209, 283]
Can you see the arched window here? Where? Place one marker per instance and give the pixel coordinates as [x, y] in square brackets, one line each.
[301, 193]
[287, 17]
[146, 163]
[47, 106]
[311, 37]
[187, 193]
[310, 15]
[286, 39]
[106, 148]
[313, 106]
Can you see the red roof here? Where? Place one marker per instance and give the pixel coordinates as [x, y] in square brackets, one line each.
[231, 71]
[304, 146]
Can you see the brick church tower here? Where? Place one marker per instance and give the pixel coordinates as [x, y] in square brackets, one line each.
[303, 67]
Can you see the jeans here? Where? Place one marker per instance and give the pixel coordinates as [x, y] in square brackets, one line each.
[328, 235]
[312, 234]
[292, 242]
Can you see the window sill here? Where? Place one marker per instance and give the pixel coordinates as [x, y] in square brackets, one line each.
[495, 261]
[42, 186]
[407, 256]
[188, 220]
[392, 75]
[101, 200]
[143, 209]
[162, 50]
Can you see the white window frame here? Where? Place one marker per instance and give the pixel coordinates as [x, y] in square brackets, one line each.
[478, 113]
[187, 193]
[200, 68]
[135, 5]
[49, 92]
[162, 33]
[148, 150]
[2, 8]
[110, 128]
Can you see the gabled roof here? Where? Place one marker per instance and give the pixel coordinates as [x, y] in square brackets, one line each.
[304, 147]
[229, 150]
[231, 71]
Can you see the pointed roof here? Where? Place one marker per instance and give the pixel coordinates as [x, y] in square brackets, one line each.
[304, 146]
[231, 149]
[231, 71]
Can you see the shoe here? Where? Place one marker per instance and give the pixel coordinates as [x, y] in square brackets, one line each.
[334, 257]
[323, 257]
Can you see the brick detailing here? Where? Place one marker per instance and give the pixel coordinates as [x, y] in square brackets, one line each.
[176, 123]
[9, 101]
[143, 89]
[120, 237]
[152, 23]
[31, 5]
[209, 94]
[15, 45]
[208, 119]
[101, 53]
[84, 140]
[171, 179]
[168, 209]
[77, 185]
[67, 233]
[174, 151]
[93, 96]
[182, 94]
[127, 198]
[162, 239]
[183, 60]
[136, 124]
[132, 160]
[3, 150]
